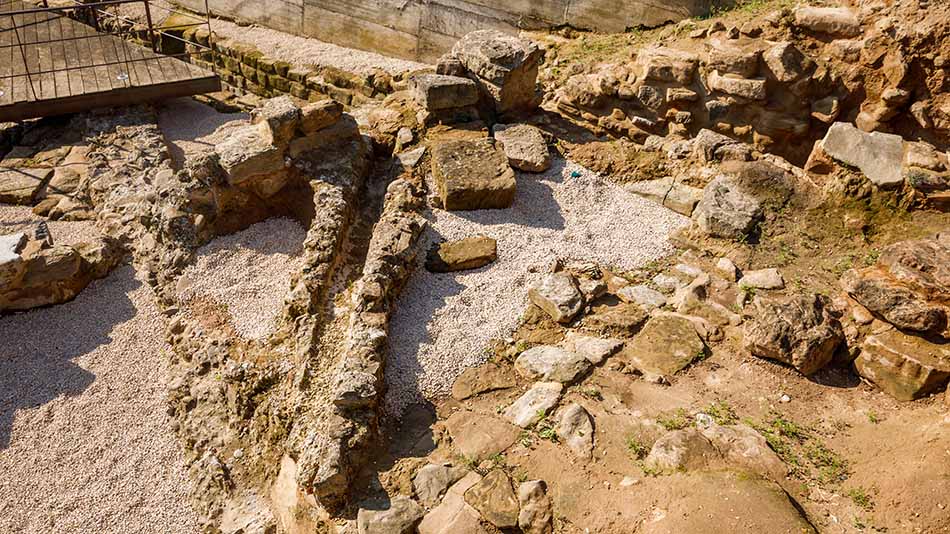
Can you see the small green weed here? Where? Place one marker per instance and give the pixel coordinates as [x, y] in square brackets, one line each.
[722, 413]
[677, 420]
[861, 497]
[636, 448]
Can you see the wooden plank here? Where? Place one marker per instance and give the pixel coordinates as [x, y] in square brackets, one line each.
[6, 61]
[74, 80]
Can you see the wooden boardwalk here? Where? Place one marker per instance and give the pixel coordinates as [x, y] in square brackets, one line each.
[51, 64]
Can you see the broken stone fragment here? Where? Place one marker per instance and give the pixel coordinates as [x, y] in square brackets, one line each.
[903, 366]
[730, 59]
[878, 155]
[666, 65]
[576, 429]
[453, 515]
[725, 211]
[319, 115]
[528, 409]
[495, 499]
[799, 331]
[536, 515]
[668, 192]
[551, 363]
[432, 480]
[826, 110]
[281, 116]
[665, 345]
[649, 299]
[762, 279]
[461, 255]
[434, 92]
[505, 68]
[834, 21]
[249, 152]
[524, 145]
[11, 263]
[401, 517]
[786, 62]
[751, 89]
[713, 448]
[595, 349]
[473, 174]
[727, 269]
[558, 296]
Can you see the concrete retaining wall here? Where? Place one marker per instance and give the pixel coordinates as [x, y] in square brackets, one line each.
[424, 29]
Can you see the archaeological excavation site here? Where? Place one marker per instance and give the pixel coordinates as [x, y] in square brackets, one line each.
[474, 266]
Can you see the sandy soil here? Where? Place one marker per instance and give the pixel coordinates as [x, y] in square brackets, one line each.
[85, 441]
[17, 218]
[444, 322]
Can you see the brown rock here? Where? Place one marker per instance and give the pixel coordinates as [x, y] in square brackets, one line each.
[665, 345]
[480, 436]
[505, 67]
[558, 295]
[319, 115]
[906, 367]
[494, 499]
[21, 186]
[465, 254]
[473, 174]
[482, 379]
[799, 331]
[535, 515]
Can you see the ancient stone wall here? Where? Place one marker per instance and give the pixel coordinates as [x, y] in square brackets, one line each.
[423, 29]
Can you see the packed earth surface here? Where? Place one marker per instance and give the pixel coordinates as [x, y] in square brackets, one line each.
[685, 279]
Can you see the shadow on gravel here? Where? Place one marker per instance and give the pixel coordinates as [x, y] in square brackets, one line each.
[37, 347]
[534, 206]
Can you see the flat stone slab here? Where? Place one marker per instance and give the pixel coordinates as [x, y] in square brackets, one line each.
[878, 155]
[905, 367]
[647, 298]
[525, 147]
[438, 91]
[551, 363]
[20, 186]
[595, 349]
[763, 279]
[473, 174]
[480, 436]
[558, 295]
[665, 345]
[461, 255]
[527, 410]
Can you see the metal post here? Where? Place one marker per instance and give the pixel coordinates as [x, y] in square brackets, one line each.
[151, 31]
[214, 52]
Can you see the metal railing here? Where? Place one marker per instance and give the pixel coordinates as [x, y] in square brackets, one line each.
[105, 20]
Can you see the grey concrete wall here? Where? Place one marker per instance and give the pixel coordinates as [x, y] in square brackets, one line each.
[424, 29]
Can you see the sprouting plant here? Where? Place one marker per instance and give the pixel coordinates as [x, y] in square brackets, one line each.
[722, 413]
[871, 257]
[873, 417]
[592, 393]
[675, 421]
[544, 428]
[636, 448]
[861, 497]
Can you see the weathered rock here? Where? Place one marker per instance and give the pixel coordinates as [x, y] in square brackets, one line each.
[878, 155]
[526, 411]
[249, 152]
[319, 115]
[454, 515]
[281, 117]
[712, 146]
[21, 186]
[401, 517]
[909, 286]
[432, 480]
[473, 174]
[11, 263]
[479, 436]
[826, 110]
[477, 380]
[799, 331]
[615, 319]
[558, 295]
[524, 145]
[665, 345]
[786, 62]
[494, 499]
[576, 429]
[595, 349]
[461, 255]
[436, 92]
[668, 192]
[752, 89]
[727, 269]
[763, 279]
[552, 364]
[505, 67]
[649, 299]
[726, 211]
[713, 448]
[729, 59]
[535, 516]
[666, 65]
[906, 367]
[835, 21]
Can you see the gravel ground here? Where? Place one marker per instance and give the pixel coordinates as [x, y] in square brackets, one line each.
[85, 442]
[191, 127]
[306, 52]
[443, 322]
[16, 218]
[249, 273]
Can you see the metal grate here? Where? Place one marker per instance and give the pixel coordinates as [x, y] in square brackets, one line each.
[63, 51]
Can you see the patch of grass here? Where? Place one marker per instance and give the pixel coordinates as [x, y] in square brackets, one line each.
[748, 292]
[637, 449]
[831, 466]
[861, 497]
[544, 428]
[873, 417]
[802, 448]
[871, 257]
[498, 460]
[526, 439]
[650, 471]
[722, 413]
[592, 393]
[677, 420]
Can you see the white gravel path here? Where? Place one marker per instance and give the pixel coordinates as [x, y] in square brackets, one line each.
[86, 444]
[307, 52]
[249, 273]
[444, 322]
[16, 218]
